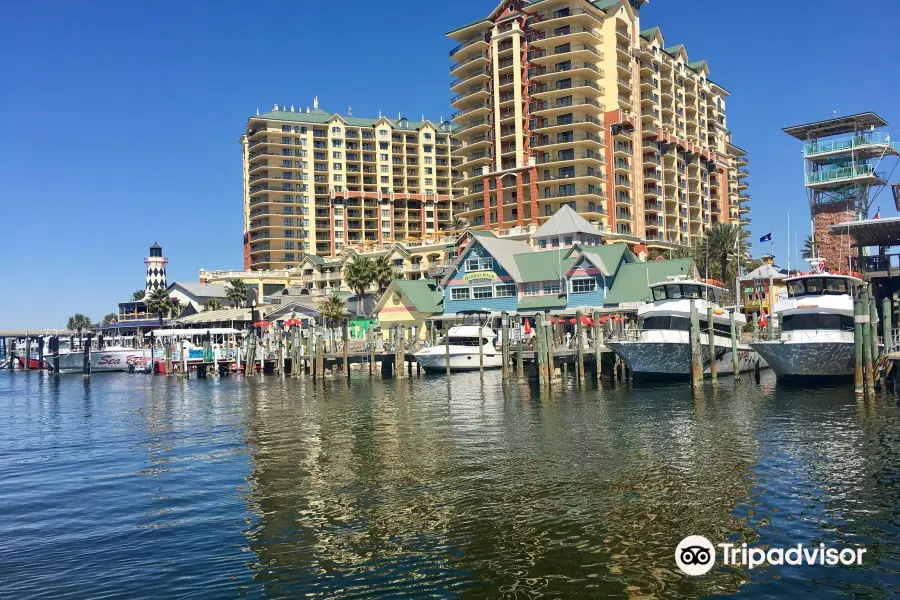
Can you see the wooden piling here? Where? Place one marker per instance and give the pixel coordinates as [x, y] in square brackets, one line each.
[858, 380]
[711, 341]
[755, 326]
[320, 357]
[540, 332]
[398, 353]
[887, 324]
[86, 360]
[551, 352]
[597, 358]
[345, 334]
[481, 349]
[579, 348]
[184, 359]
[40, 342]
[168, 355]
[868, 381]
[735, 364]
[10, 351]
[504, 342]
[447, 349]
[371, 335]
[54, 349]
[520, 358]
[26, 363]
[152, 351]
[873, 329]
[696, 350]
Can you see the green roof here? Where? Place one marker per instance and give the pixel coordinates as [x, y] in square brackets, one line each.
[606, 257]
[604, 4]
[315, 258]
[698, 64]
[481, 233]
[318, 117]
[423, 294]
[675, 49]
[648, 34]
[545, 265]
[633, 281]
[541, 302]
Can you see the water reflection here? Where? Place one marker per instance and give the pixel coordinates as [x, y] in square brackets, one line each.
[425, 486]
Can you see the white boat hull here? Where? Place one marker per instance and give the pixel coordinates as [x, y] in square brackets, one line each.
[434, 360]
[808, 359]
[110, 360]
[674, 358]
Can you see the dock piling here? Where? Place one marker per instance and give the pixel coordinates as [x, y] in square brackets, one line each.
[504, 343]
[858, 381]
[597, 363]
[696, 350]
[345, 334]
[579, 348]
[26, 362]
[873, 329]
[447, 349]
[86, 360]
[481, 350]
[711, 341]
[735, 366]
[520, 358]
[864, 318]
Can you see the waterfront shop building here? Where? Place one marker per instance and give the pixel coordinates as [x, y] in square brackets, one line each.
[409, 304]
[195, 296]
[316, 182]
[762, 287]
[572, 103]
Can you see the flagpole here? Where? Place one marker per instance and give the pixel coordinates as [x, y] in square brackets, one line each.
[789, 242]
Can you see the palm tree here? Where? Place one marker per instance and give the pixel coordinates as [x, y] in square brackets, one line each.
[670, 253]
[332, 309]
[722, 242]
[176, 307]
[457, 224]
[809, 249]
[79, 322]
[159, 302]
[359, 275]
[236, 292]
[108, 319]
[213, 304]
[383, 273]
[138, 295]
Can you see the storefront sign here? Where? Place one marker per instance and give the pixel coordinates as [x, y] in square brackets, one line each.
[480, 277]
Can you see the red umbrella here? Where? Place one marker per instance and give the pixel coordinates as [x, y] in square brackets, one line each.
[603, 319]
[527, 327]
[261, 324]
[552, 320]
[586, 321]
[571, 321]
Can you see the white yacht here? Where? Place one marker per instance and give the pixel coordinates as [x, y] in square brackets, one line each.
[816, 338]
[110, 359]
[661, 345]
[464, 341]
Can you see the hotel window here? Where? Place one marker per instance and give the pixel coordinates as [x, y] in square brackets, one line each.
[303, 142]
[336, 154]
[287, 198]
[382, 132]
[337, 166]
[338, 234]
[338, 211]
[289, 233]
[383, 156]
[427, 136]
[385, 213]
[532, 289]
[551, 287]
[336, 143]
[285, 140]
[568, 240]
[338, 222]
[289, 222]
[429, 181]
[384, 145]
[460, 293]
[338, 177]
[427, 148]
[429, 171]
[289, 245]
[505, 290]
[582, 285]
[385, 168]
[428, 160]
[336, 130]
[542, 243]
[286, 128]
[480, 264]
[482, 291]
[289, 256]
[385, 224]
[385, 179]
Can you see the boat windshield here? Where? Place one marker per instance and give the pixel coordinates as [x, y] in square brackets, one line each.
[818, 286]
[816, 321]
[466, 340]
[677, 291]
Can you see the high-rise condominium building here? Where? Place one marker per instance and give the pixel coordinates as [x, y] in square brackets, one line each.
[570, 102]
[315, 182]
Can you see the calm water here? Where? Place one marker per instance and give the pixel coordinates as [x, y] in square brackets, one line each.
[138, 486]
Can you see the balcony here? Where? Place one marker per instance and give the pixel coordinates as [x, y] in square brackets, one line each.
[874, 138]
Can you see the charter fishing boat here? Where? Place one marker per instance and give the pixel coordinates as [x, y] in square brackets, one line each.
[661, 346]
[464, 341]
[109, 359]
[816, 319]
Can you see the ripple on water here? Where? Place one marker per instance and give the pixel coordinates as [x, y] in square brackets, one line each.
[147, 486]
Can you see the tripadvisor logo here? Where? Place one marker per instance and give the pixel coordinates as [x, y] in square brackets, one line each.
[696, 555]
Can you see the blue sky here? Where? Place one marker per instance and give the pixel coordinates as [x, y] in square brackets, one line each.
[122, 120]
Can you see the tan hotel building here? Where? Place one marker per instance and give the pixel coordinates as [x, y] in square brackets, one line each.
[570, 102]
[316, 182]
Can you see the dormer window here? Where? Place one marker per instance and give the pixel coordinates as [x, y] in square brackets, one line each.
[404, 123]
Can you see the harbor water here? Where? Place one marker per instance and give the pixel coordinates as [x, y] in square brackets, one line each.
[143, 486]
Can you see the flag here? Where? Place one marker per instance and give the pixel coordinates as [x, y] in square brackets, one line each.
[527, 327]
[766, 238]
[763, 321]
[877, 214]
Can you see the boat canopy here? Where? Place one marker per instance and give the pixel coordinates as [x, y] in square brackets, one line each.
[194, 332]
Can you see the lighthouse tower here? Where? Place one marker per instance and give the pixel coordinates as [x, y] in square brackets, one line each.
[156, 268]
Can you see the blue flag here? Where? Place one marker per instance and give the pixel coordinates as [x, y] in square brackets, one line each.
[766, 238]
